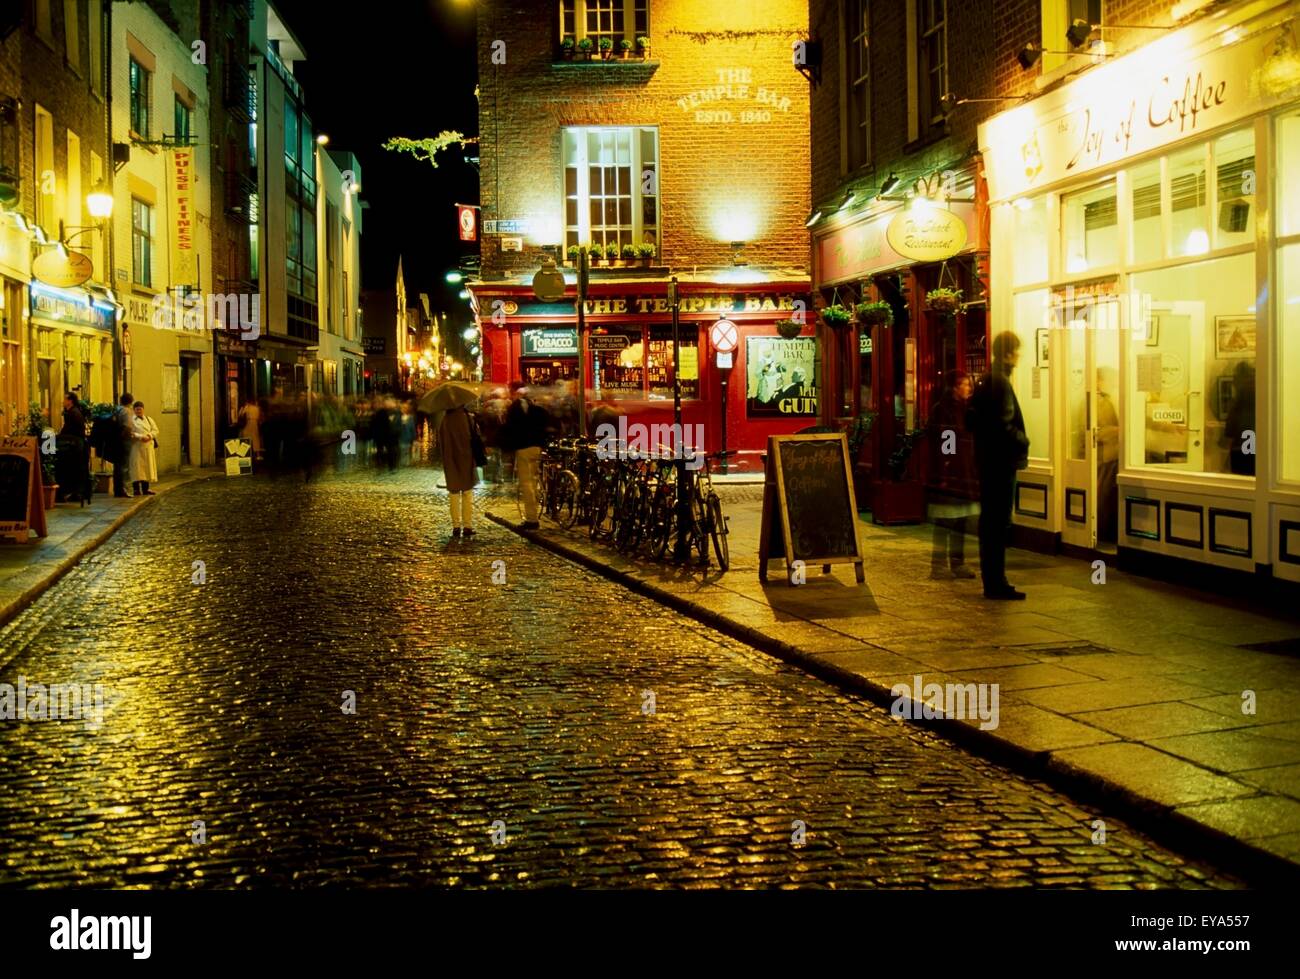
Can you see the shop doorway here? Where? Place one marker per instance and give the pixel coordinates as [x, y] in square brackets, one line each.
[1089, 327]
[189, 394]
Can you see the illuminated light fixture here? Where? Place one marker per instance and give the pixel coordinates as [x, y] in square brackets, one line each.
[920, 204]
[99, 202]
[736, 248]
[890, 183]
[322, 139]
[1022, 204]
[454, 277]
[1080, 30]
[61, 249]
[471, 333]
[813, 219]
[21, 222]
[1198, 242]
[463, 294]
[849, 198]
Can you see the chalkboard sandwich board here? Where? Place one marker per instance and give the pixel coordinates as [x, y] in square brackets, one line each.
[809, 510]
[22, 504]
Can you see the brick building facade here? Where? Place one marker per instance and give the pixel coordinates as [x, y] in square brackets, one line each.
[699, 149]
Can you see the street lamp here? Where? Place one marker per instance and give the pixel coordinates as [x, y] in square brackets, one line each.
[471, 333]
[99, 202]
[454, 277]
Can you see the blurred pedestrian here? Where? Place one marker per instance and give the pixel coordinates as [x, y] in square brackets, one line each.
[458, 468]
[385, 430]
[406, 430]
[1001, 450]
[143, 464]
[72, 464]
[120, 446]
[250, 426]
[525, 433]
[952, 477]
[1239, 426]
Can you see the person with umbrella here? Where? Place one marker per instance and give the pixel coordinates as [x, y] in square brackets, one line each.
[449, 404]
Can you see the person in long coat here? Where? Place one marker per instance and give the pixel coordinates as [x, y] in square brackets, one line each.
[953, 477]
[143, 465]
[459, 469]
[72, 463]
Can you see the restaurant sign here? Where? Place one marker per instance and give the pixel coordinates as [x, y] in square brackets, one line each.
[64, 270]
[929, 235]
[1175, 88]
[868, 247]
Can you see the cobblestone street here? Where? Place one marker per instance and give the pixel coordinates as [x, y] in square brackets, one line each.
[476, 701]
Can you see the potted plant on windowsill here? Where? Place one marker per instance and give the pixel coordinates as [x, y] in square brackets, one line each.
[645, 253]
[789, 328]
[629, 254]
[584, 48]
[573, 255]
[643, 45]
[625, 49]
[566, 48]
[597, 251]
[871, 314]
[606, 48]
[836, 316]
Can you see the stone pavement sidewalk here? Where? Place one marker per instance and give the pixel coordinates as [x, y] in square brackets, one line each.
[27, 570]
[1142, 694]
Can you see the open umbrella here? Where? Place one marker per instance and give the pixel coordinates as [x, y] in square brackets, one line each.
[447, 396]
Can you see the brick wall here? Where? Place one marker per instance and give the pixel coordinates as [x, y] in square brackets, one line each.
[717, 179]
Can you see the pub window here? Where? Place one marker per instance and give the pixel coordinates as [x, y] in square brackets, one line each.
[611, 186]
[620, 373]
[140, 78]
[72, 33]
[614, 19]
[141, 242]
[857, 121]
[660, 367]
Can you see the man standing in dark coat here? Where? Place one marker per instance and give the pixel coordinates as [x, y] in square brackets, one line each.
[1001, 450]
[124, 420]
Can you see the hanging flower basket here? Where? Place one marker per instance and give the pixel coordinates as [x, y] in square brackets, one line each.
[789, 328]
[836, 316]
[944, 300]
[874, 314]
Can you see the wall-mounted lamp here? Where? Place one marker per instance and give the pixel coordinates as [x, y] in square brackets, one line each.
[949, 101]
[322, 139]
[849, 198]
[1080, 30]
[736, 257]
[1031, 52]
[890, 183]
[99, 202]
[813, 218]
[121, 155]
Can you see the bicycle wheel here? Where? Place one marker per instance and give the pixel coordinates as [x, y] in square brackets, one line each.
[663, 527]
[718, 531]
[567, 492]
[626, 532]
[599, 510]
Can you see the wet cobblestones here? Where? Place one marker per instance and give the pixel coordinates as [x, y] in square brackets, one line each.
[477, 701]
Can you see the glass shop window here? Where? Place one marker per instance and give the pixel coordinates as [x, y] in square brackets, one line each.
[659, 362]
[1090, 223]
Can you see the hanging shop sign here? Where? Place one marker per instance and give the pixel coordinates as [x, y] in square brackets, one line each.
[930, 235]
[180, 193]
[515, 226]
[780, 377]
[467, 222]
[374, 345]
[550, 343]
[63, 271]
[866, 247]
[649, 305]
[1187, 83]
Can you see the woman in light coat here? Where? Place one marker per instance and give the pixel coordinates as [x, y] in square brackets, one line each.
[143, 465]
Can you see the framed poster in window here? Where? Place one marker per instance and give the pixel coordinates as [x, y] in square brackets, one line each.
[1234, 336]
[781, 377]
[171, 387]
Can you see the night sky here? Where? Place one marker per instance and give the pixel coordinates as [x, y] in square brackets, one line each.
[396, 69]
